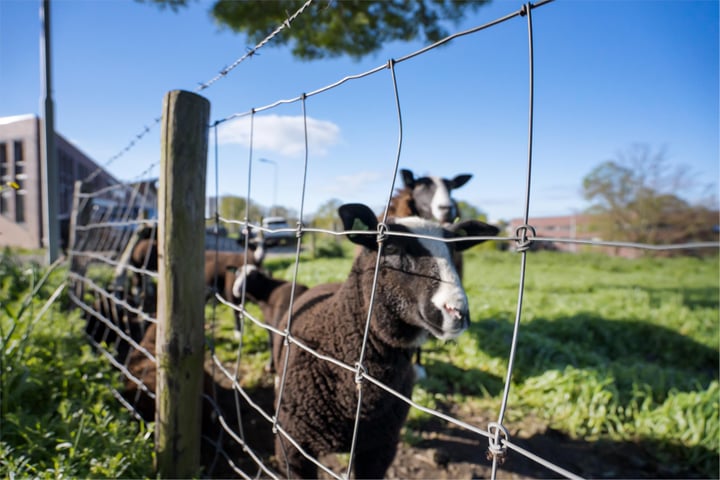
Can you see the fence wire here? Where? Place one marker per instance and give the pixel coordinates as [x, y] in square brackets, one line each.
[142, 133]
[497, 445]
[116, 292]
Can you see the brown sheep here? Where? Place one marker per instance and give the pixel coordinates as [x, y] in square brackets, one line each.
[144, 369]
[220, 266]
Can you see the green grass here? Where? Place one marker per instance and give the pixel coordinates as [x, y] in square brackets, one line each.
[625, 350]
[58, 416]
[609, 350]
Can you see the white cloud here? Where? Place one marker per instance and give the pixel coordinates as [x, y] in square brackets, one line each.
[284, 135]
[356, 181]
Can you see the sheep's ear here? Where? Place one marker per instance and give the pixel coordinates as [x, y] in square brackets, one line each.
[356, 216]
[459, 180]
[471, 228]
[408, 177]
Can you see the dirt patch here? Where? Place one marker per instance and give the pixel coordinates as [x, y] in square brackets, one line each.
[441, 450]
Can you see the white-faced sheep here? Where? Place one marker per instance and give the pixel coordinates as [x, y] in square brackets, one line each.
[429, 198]
[418, 292]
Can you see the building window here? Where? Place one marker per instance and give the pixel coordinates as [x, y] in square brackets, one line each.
[4, 163]
[20, 202]
[4, 195]
[4, 179]
[19, 157]
[20, 176]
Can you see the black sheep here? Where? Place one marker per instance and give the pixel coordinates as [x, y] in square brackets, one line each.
[272, 295]
[418, 292]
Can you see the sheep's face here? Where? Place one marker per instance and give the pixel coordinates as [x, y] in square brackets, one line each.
[418, 282]
[419, 279]
[431, 195]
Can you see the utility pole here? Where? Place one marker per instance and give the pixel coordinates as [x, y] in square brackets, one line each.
[273, 208]
[49, 174]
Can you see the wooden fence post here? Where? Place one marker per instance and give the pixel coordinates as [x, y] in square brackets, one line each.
[181, 286]
[79, 216]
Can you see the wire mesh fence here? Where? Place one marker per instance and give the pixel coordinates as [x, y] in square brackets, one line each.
[113, 279]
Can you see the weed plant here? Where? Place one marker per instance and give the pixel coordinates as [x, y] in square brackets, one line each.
[59, 418]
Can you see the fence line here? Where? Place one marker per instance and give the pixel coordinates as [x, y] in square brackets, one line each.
[496, 448]
[114, 253]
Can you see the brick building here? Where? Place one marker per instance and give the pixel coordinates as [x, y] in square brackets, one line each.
[586, 228]
[21, 215]
[575, 227]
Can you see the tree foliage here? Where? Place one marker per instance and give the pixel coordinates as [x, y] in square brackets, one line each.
[468, 211]
[327, 215]
[341, 27]
[230, 206]
[638, 198]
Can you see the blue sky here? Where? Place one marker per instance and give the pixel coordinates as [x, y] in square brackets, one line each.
[609, 74]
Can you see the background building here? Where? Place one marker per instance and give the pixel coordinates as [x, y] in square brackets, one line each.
[21, 204]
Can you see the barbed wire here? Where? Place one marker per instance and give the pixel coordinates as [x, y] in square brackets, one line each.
[379, 68]
[202, 86]
[252, 51]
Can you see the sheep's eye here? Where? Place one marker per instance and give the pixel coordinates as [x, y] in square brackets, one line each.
[392, 249]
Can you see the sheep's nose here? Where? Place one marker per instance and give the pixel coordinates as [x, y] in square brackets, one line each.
[458, 314]
[454, 311]
[446, 212]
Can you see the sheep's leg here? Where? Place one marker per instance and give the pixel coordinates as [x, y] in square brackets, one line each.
[420, 372]
[291, 462]
[374, 463]
[270, 368]
[237, 330]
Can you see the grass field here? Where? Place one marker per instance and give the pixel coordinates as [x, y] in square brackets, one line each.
[609, 350]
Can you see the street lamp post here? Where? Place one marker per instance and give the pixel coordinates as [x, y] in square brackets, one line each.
[275, 179]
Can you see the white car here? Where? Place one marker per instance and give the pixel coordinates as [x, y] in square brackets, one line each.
[275, 237]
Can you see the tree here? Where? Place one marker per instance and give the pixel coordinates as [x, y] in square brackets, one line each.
[333, 28]
[637, 198]
[327, 215]
[233, 207]
[468, 211]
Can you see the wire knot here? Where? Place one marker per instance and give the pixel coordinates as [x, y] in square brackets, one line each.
[359, 374]
[299, 229]
[524, 241]
[382, 229]
[496, 448]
